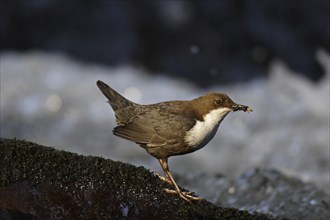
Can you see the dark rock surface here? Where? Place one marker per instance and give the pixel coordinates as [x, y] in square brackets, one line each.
[44, 183]
[208, 42]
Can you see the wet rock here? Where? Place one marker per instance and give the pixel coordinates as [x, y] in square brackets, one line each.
[44, 183]
[264, 191]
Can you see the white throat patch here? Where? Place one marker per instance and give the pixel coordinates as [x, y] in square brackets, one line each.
[203, 131]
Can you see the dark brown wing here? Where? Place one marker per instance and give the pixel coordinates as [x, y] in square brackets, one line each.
[138, 130]
[154, 131]
[160, 132]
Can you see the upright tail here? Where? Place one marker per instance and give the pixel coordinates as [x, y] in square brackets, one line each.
[115, 99]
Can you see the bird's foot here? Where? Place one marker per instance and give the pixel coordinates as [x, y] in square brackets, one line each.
[162, 178]
[188, 196]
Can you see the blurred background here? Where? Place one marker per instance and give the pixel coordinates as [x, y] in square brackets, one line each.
[270, 55]
[206, 42]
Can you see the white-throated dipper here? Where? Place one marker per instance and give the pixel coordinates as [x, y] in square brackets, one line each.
[170, 128]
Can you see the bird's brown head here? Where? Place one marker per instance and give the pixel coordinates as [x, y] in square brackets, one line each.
[212, 101]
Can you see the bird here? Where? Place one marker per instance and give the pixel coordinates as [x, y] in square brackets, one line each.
[170, 128]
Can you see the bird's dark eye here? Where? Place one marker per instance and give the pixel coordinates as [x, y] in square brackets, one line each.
[218, 101]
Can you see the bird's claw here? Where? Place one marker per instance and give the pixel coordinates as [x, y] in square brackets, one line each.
[188, 196]
[162, 178]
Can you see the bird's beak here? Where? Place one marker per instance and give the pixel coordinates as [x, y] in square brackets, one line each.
[239, 107]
